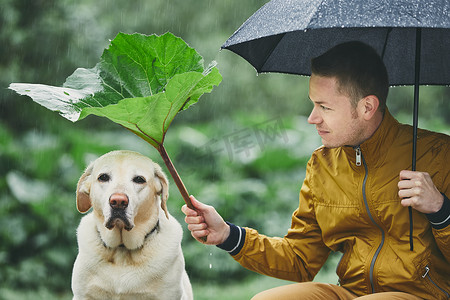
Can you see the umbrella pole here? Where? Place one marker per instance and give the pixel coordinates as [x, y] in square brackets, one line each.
[416, 97]
[415, 124]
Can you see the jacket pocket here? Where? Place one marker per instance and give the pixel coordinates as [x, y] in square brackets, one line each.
[432, 283]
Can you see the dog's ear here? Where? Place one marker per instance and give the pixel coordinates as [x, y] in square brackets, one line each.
[164, 191]
[83, 190]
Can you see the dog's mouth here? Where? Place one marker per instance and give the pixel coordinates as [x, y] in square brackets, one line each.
[118, 219]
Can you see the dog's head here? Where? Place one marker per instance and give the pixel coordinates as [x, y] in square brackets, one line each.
[122, 186]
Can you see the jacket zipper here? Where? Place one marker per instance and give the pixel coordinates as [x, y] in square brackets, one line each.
[427, 275]
[360, 157]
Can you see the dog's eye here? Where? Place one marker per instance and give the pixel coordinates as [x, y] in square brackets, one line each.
[139, 179]
[103, 177]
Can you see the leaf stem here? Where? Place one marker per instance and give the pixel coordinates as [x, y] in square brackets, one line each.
[175, 176]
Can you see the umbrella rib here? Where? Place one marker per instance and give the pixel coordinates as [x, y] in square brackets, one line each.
[282, 35]
[385, 42]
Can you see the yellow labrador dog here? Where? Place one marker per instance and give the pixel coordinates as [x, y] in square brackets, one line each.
[129, 245]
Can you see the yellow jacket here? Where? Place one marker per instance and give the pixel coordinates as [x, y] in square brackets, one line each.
[355, 209]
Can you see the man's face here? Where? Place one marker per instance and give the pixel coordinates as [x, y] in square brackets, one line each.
[336, 120]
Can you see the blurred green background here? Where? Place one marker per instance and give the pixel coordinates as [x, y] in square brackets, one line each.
[243, 148]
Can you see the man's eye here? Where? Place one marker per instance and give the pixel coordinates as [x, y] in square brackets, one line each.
[139, 180]
[104, 177]
[324, 107]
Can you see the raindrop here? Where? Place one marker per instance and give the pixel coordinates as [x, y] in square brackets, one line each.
[210, 258]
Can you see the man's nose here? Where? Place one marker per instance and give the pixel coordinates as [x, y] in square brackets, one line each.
[314, 117]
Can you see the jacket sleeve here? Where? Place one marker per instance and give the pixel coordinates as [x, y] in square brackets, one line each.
[296, 257]
[440, 221]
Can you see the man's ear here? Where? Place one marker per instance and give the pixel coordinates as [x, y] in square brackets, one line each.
[369, 106]
[164, 191]
[83, 190]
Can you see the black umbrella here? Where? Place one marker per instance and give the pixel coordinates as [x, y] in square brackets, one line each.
[412, 37]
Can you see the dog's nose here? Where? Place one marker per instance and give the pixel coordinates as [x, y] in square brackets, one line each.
[119, 201]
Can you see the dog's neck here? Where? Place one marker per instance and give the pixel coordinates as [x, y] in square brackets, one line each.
[155, 228]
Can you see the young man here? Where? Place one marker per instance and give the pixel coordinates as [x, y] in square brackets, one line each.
[354, 198]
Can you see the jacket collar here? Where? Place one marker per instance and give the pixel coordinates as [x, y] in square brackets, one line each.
[376, 147]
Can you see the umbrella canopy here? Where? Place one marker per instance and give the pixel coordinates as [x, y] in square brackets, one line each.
[411, 36]
[284, 35]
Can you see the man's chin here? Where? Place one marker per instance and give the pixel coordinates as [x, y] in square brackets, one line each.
[328, 144]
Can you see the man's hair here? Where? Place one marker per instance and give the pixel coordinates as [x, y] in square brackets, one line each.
[359, 71]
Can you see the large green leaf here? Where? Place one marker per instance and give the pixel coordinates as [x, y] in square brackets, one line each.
[141, 83]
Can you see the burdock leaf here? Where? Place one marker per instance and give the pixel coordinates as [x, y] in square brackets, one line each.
[141, 83]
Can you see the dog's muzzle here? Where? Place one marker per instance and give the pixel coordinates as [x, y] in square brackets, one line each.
[118, 204]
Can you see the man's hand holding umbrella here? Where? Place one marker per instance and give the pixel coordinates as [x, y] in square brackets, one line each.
[418, 191]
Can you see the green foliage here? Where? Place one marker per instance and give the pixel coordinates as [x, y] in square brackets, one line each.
[36, 214]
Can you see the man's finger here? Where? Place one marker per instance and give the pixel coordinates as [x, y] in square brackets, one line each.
[197, 204]
[188, 212]
[199, 234]
[407, 174]
[406, 202]
[194, 219]
[410, 192]
[197, 227]
[410, 201]
[405, 184]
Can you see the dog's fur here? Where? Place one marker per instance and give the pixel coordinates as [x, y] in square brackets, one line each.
[129, 245]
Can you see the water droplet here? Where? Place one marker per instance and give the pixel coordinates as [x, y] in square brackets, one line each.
[210, 259]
